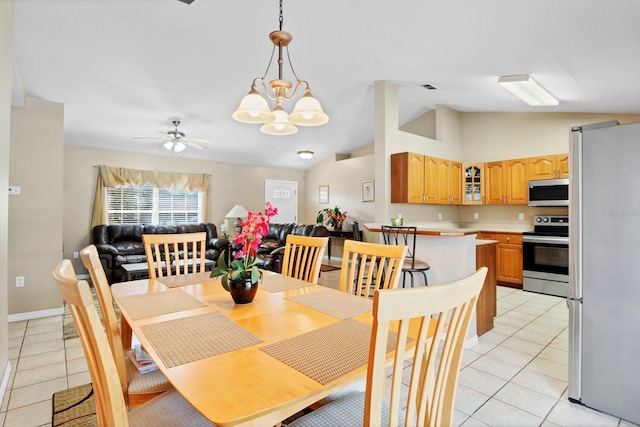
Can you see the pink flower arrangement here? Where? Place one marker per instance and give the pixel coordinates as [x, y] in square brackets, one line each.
[244, 266]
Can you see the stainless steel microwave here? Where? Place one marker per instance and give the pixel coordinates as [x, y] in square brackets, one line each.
[549, 192]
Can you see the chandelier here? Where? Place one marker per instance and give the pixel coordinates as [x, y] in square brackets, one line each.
[255, 109]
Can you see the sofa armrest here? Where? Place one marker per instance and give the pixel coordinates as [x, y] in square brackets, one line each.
[219, 244]
[107, 249]
[278, 252]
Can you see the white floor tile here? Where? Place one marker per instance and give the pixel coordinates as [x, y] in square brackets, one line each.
[556, 355]
[514, 357]
[468, 400]
[29, 416]
[541, 383]
[496, 367]
[522, 345]
[528, 400]
[497, 413]
[570, 414]
[550, 368]
[480, 381]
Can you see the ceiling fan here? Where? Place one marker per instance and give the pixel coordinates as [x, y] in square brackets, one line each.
[187, 1]
[177, 141]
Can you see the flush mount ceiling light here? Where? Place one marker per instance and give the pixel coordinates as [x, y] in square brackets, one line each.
[527, 89]
[255, 109]
[305, 154]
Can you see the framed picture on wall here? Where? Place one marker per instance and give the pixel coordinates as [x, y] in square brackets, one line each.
[368, 191]
[323, 194]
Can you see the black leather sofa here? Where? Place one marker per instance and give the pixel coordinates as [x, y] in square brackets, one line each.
[119, 244]
[272, 246]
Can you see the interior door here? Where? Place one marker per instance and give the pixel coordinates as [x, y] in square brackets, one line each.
[284, 196]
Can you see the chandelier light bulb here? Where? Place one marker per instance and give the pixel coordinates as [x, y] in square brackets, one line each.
[281, 125]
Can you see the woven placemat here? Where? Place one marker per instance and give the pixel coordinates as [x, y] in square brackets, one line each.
[327, 353]
[278, 283]
[185, 279]
[188, 339]
[334, 303]
[158, 303]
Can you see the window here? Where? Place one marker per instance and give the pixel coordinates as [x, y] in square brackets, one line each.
[150, 205]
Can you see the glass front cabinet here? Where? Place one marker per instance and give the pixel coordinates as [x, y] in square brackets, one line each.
[473, 184]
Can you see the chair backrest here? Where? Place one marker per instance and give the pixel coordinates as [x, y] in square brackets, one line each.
[303, 257]
[397, 235]
[357, 233]
[370, 266]
[110, 405]
[175, 254]
[91, 261]
[434, 376]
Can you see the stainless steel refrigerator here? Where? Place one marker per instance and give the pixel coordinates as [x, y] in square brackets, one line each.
[604, 268]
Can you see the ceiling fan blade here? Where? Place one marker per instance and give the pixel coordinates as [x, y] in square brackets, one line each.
[150, 138]
[187, 1]
[193, 144]
[200, 140]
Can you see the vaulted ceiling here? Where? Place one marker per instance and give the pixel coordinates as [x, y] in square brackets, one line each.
[126, 69]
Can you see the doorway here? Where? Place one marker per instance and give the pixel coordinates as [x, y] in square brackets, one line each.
[284, 196]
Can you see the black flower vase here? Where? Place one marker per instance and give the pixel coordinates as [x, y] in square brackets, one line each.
[242, 290]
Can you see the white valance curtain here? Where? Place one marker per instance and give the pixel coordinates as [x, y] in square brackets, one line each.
[109, 177]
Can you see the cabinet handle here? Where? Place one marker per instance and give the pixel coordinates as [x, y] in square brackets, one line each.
[508, 239]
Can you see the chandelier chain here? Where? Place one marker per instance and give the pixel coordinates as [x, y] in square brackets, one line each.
[281, 19]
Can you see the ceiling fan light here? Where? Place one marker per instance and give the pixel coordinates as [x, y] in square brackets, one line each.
[308, 111]
[279, 126]
[168, 145]
[253, 109]
[179, 146]
[528, 90]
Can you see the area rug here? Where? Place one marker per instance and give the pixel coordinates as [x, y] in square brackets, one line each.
[325, 267]
[74, 407]
[68, 328]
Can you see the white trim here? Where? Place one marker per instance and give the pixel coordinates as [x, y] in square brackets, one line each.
[5, 382]
[35, 314]
[471, 341]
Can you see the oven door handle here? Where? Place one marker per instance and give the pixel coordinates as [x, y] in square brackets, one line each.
[541, 239]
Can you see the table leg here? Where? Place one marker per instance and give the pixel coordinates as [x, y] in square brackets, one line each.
[329, 249]
[125, 334]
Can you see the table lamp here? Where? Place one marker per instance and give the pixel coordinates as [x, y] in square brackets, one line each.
[238, 212]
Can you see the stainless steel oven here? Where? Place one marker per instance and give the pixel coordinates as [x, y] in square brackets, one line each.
[545, 256]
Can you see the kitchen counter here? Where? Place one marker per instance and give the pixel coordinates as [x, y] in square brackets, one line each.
[484, 242]
[445, 228]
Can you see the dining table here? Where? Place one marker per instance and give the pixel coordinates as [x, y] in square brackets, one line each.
[250, 364]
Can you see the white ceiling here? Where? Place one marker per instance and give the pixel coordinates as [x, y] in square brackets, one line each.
[127, 68]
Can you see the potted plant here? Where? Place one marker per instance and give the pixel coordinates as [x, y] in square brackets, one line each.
[332, 216]
[242, 276]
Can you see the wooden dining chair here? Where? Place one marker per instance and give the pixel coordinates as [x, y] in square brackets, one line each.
[175, 254]
[303, 256]
[398, 235]
[137, 388]
[167, 409]
[444, 312]
[370, 266]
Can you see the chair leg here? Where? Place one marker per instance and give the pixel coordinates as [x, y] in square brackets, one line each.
[424, 273]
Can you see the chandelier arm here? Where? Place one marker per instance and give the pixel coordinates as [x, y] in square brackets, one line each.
[273, 50]
[291, 66]
[265, 87]
[295, 89]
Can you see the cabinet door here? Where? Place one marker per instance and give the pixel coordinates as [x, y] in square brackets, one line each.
[443, 182]
[543, 167]
[455, 179]
[509, 263]
[516, 191]
[562, 162]
[472, 184]
[430, 180]
[494, 184]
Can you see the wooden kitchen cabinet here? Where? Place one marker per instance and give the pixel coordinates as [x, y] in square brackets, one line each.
[509, 259]
[506, 182]
[449, 178]
[486, 307]
[549, 167]
[473, 184]
[415, 179]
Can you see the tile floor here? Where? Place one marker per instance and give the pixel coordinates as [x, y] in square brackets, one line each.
[515, 376]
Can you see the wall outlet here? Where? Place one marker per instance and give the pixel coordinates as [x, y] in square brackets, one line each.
[76, 255]
[19, 281]
[439, 215]
[521, 216]
[475, 215]
[14, 190]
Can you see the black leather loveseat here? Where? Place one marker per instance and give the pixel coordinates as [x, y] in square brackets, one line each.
[119, 244]
[272, 246]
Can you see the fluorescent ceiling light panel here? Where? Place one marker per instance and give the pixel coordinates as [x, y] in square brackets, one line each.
[527, 89]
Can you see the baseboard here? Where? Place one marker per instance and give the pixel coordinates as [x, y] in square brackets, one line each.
[35, 314]
[5, 383]
[471, 341]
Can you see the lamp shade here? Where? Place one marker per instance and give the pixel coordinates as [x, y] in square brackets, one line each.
[238, 211]
[527, 89]
[281, 125]
[253, 109]
[308, 111]
[305, 154]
